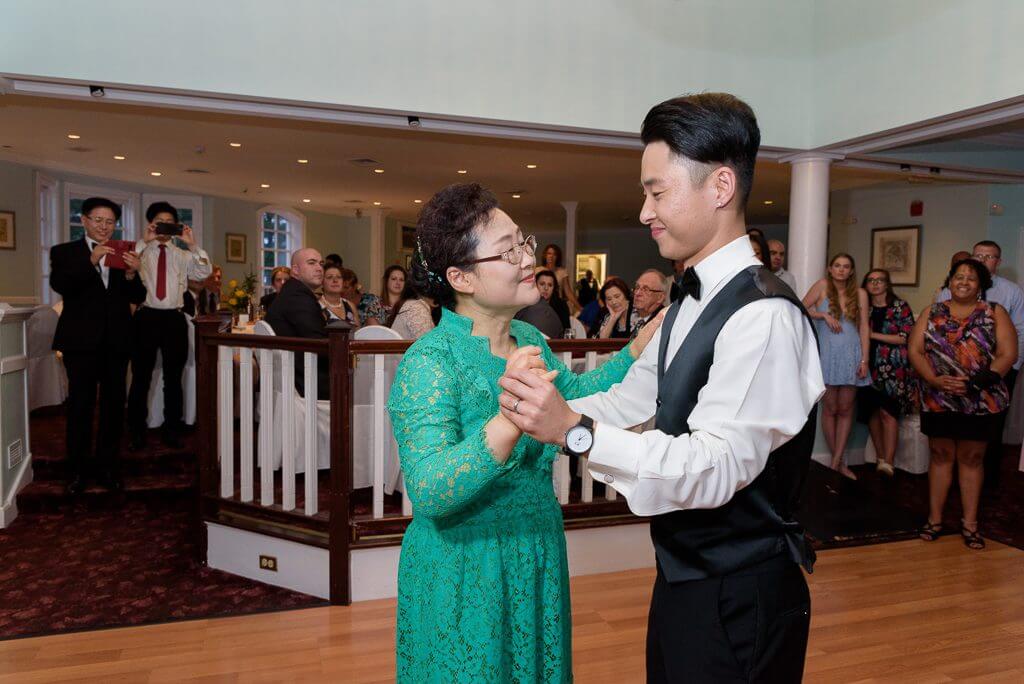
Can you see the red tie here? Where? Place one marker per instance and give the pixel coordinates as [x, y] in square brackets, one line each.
[161, 273]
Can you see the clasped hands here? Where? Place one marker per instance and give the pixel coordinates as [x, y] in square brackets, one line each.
[530, 400]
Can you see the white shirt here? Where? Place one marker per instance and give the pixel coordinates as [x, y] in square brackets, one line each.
[182, 266]
[102, 267]
[787, 277]
[764, 380]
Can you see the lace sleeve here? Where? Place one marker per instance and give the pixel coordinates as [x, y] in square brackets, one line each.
[418, 318]
[573, 385]
[447, 465]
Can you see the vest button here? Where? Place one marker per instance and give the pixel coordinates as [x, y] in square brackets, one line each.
[658, 402]
[609, 479]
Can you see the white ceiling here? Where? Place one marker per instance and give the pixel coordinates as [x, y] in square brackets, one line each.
[416, 163]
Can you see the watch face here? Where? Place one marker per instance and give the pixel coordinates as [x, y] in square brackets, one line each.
[579, 440]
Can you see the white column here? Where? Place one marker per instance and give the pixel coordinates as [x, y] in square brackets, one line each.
[808, 217]
[570, 238]
[377, 241]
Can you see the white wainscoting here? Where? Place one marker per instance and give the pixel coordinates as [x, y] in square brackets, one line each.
[300, 567]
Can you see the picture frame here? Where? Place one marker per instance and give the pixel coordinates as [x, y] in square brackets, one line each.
[7, 230]
[897, 249]
[234, 249]
[408, 235]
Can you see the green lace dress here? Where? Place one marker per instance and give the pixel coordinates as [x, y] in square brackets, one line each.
[483, 582]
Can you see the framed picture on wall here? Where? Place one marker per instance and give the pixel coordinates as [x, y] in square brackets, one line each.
[7, 230]
[408, 236]
[235, 248]
[898, 250]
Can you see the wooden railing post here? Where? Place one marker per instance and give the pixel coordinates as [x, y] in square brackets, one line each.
[206, 422]
[340, 531]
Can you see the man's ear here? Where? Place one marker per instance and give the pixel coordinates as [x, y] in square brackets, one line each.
[461, 281]
[725, 185]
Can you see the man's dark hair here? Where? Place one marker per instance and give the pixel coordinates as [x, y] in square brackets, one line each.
[989, 243]
[333, 259]
[709, 128]
[980, 270]
[96, 202]
[161, 208]
[445, 238]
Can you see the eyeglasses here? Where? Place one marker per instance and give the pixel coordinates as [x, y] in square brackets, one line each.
[643, 289]
[877, 281]
[512, 256]
[985, 257]
[102, 221]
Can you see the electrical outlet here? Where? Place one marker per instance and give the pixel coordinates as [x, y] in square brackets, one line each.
[268, 563]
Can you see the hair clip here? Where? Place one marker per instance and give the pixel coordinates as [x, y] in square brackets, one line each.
[423, 260]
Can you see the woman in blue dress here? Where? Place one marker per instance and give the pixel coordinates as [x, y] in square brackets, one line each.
[483, 582]
[840, 312]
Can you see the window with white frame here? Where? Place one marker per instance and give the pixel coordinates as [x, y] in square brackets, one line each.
[281, 234]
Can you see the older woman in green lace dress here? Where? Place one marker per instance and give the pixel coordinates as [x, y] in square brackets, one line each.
[483, 583]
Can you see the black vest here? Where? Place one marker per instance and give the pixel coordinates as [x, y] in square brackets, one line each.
[757, 523]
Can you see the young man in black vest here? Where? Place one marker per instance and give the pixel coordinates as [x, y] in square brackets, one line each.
[732, 378]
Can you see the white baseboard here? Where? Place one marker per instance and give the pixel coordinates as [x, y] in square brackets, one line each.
[9, 509]
[300, 567]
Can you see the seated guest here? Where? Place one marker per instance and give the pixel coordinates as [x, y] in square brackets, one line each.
[542, 317]
[678, 266]
[893, 390]
[333, 299]
[190, 299]
[551, 260]
[777, 252]
[547, 284]
[296, 312]
[648, 299]
[962, 349]
[277, 279]
[377, 310]
[351, 290]
[160, 324]
[94, 336]
[590, 314]
[618, 303]
[412, 316]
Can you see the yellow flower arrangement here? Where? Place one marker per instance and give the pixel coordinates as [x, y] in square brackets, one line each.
[239, 294]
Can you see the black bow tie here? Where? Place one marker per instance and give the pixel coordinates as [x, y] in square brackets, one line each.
[689, 284]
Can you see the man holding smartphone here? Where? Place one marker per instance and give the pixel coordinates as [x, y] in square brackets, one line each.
[160, 323]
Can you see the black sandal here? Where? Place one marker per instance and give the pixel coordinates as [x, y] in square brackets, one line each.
[930, 532]
[972, 540]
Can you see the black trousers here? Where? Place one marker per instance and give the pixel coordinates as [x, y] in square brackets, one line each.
[88, 372]
[994, 451]
[166, 331]
[750, 626]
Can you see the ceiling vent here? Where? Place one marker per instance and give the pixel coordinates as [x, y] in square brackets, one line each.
[198, 172]
[80, 149]
[364, 161]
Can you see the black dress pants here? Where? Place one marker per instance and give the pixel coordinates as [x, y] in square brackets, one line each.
[750, 626]
[88, 371]
[166, 331]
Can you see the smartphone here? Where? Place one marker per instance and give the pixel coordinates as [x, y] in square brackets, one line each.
[169, 229]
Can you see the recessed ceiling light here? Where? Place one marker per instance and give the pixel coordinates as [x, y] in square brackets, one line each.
[302, 161]
[516, 196]
[378, 170]
[418, 201]
[155, 173]
[531, 166]
[73, 136]
[306, 200]
[768, 203]
[235, 144]
[264, 185]
[376, 204]
[463, 171]
[119, 157]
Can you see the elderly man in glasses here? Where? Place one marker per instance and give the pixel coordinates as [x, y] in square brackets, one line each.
[648, 298]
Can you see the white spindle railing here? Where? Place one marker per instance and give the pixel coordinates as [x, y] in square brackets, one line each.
[225, 414]
[267, 423]
[288, 431]
[310, 435]
[379, 380]
[245, 390]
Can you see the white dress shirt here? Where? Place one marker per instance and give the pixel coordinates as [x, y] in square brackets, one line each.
[764, 381]
[102, 267]
[182, 266]
[787, 277]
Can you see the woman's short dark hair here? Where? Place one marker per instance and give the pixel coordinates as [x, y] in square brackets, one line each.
[387, 276]
[980, 270]
[619, 283]
[709, 128]
[758, 237]
[157, 208]
[558, 257]
[890, 295]
[96, 202]
[445, 237]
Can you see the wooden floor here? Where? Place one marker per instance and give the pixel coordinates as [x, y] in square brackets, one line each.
[904, 612]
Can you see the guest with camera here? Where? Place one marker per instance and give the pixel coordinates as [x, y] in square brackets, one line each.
[160, 324]
[94, 335]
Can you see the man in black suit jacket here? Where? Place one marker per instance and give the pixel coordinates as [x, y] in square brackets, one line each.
[94, 335]
[296, 312]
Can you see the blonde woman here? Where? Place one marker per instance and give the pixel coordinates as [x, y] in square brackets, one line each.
[840, 312]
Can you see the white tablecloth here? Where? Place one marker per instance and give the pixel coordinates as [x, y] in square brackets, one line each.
[912, 454]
